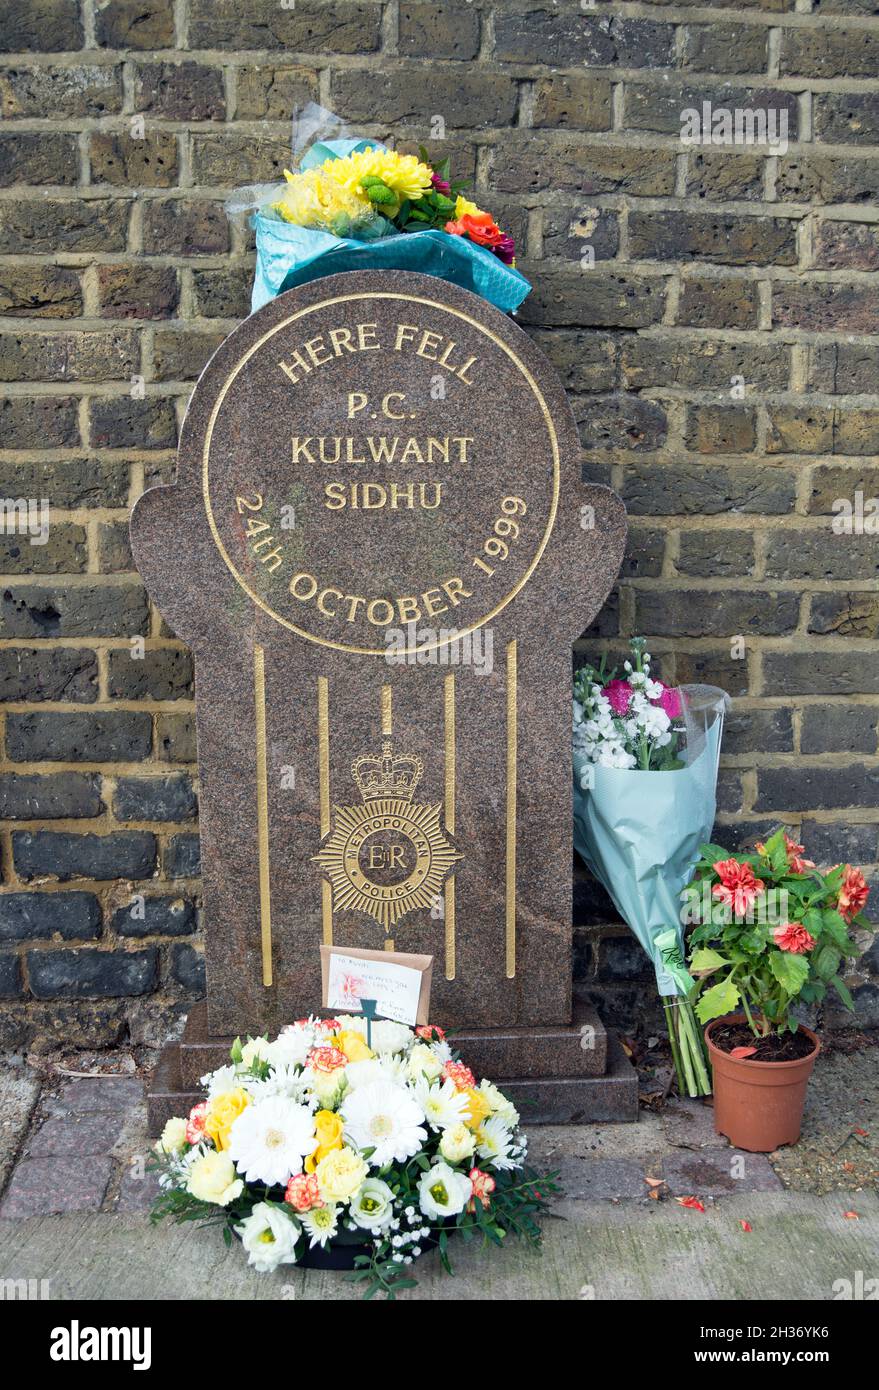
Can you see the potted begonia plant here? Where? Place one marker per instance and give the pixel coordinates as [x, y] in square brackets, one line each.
[772, 932]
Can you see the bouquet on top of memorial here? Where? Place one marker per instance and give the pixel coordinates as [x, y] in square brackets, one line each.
[645, 774]
[355, 204]
[351, 1144]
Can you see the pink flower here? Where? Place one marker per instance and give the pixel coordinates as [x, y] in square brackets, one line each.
[618, 694]
[430, 1032]
[483, 1185]
[738, 888]
[303, 1193]
[462, 1076]
[328, 1025]
[796, 862]
[440, 184]
[853, 893]
[669, 700]
[196, 1122]
[793, 937]
[326, 1059]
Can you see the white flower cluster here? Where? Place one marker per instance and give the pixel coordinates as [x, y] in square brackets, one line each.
[623, 729]
[330, 1122]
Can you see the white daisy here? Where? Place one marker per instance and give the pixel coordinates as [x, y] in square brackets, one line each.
[269, 1140]
[291, 1047]
[223, 1079]
[283, 1081]
[494, 1142]
[442, 1105]
[499, 1103]
[386, 1118]
[320, 1224]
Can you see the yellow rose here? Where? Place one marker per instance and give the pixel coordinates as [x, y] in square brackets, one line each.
[223, 1111]
[353, 1044]
[457, 1143]
[340, 1175]
[212, 1178]
[173, 1137]
[478, 1106]
[328, 1127]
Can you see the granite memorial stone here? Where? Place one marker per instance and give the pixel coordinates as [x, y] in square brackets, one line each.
[380, 550]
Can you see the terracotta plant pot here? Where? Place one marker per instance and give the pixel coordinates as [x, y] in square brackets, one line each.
[759, 1105]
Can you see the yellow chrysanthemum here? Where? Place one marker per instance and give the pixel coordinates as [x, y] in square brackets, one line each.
[404, 174]
[312, 199]
[464, 208]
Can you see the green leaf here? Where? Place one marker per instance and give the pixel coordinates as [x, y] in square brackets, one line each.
[826, 961]
[843, 992]
[834, 924]
[713, 852]
[707, 960]
[790, 971]
[719, 999]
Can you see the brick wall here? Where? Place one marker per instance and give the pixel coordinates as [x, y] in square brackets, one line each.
[721, 356]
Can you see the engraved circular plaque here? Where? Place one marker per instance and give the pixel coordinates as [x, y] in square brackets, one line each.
[380, 470]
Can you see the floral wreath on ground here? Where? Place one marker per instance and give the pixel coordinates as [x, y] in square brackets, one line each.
[318, 1140]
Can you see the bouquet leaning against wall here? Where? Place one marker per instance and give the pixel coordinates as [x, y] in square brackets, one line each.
[645, 777]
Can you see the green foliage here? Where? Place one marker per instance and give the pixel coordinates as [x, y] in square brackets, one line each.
[746, 958]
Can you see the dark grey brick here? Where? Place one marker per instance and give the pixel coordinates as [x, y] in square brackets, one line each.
[121, 422]
[91, 974]
[38, 916]
[847, 614]
[175, 738]
[620, 422]
[87, 610]
[116, 736]
[169, 916]
[820, 673]
[64, 855]
[715, 612]
[163, 673]
[790, 788]
[839, 728]
[11, 984]
[684, 489]
[81, 482]
[188, 968]
[48, 673]
[758, 731]
[182, 857]
[714, 554]
[51, 796]
[838, 842]
[821, 555]
[154, 799]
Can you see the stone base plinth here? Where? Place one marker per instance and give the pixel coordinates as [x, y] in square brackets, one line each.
[565, 1074]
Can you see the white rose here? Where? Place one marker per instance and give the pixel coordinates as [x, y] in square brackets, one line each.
[212, 1178]
[372, 1207]
[173, 1137]
[423, 1062]
[457, 1143]
[269, 1236]
[443, 1192]
[255, 1050]
[290, 1048]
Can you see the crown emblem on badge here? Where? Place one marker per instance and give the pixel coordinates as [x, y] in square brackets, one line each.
[390, 775]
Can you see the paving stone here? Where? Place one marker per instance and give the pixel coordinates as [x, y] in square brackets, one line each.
[44, 1186]
[85, 1094]
[19, 1089]
[137, 1193]
[714, 1172]
[81, 1135]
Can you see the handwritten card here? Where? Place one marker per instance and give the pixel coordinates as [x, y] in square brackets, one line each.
[399, 983]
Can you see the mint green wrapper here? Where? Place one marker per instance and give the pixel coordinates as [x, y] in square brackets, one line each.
[287, 256]
[640, 832]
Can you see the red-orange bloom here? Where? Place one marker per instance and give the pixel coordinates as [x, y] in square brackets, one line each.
[793, 937]
[326, 1059]
[462, 1076]
[738, 887]
[479, 226]
[483, 1185]
[853, 893]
